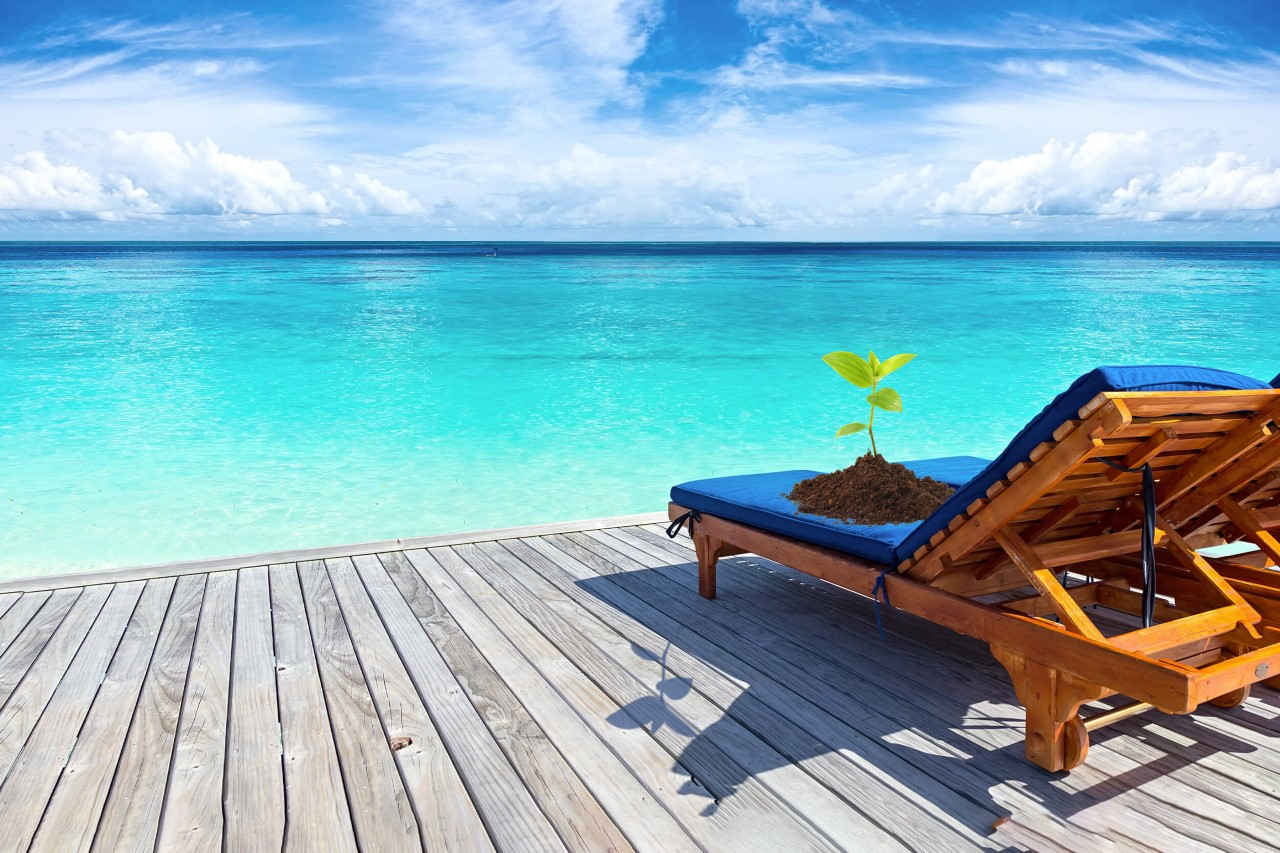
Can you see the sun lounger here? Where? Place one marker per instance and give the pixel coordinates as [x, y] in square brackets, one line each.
[1069, 494]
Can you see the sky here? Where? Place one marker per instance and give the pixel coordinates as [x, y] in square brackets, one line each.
[640, 120]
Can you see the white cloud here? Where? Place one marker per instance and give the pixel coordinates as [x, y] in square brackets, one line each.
[144, 174]
[194, 77]
[726, 178]
[1236, 102]
[365, 195]
[200, 178]
[34, 187]
[562, 55]
[234, 32]
[1229, 183]
[1129, 175]
[906, 192]
[1043, 67]
[671, 186]
[764, 72]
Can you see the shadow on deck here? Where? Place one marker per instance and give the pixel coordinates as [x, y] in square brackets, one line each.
[922, 710]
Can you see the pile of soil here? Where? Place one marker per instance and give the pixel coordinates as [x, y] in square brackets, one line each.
[871, 491]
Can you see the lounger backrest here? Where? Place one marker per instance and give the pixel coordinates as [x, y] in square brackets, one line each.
[1063, 409]
[1203, 445]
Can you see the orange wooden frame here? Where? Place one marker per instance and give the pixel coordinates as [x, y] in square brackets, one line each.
[1216, 460]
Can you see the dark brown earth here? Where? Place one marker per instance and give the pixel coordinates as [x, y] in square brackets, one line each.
[871, 491]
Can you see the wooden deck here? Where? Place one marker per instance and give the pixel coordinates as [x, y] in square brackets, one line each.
[559, 688]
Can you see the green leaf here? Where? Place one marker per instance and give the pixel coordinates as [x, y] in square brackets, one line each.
[887, 399]
[852, 367]
[850, 429]
[874, 362]
[889, 365]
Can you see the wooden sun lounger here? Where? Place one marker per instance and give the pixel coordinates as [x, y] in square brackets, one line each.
[1215, 456]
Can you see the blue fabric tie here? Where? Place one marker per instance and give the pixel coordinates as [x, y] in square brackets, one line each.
[878, 590]
[673, 529]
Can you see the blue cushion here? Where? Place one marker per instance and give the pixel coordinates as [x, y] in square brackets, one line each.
[1275, 383]
[760, 501]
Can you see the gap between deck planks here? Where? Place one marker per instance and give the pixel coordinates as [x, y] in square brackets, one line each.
[560, 687]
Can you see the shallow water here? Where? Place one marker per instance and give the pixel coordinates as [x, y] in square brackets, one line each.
[162, 402]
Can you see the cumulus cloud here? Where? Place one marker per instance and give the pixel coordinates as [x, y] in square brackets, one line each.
[1129, 175]
[200, 178]
[363, 194]
[33, 186]
[149, 173]
[1230, 182]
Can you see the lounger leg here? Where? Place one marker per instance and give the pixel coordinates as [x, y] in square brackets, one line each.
[1234, 699]
[1056, 736]
[708, 554]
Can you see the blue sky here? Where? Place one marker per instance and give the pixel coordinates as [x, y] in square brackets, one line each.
[640, 119]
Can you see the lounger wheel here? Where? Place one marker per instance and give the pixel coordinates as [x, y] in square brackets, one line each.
[1233, 699]
[1075, 747]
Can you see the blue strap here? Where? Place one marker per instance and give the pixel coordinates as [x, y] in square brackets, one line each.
[673, 529]
[878, 590]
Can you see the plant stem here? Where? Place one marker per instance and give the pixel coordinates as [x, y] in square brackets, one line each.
[871, 422]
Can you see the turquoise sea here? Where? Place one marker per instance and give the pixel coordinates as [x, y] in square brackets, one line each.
[169, 401]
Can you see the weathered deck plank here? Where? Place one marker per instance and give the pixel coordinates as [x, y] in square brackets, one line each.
[447, 819]
[508, 809]
[73, 811]
[529, 737]
[131, 815]
[380, 808]
[27, 701]
[19, 610]
[255, 810]
[192, 816]
[31, 632]
[34, 768]
[543, 689]
[720, 759]
[314, 791]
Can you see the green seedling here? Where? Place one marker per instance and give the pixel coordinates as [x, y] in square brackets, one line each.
[867, 373]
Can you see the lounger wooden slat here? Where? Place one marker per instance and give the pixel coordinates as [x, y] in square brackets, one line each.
[1075, 505]
[1251, 527]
